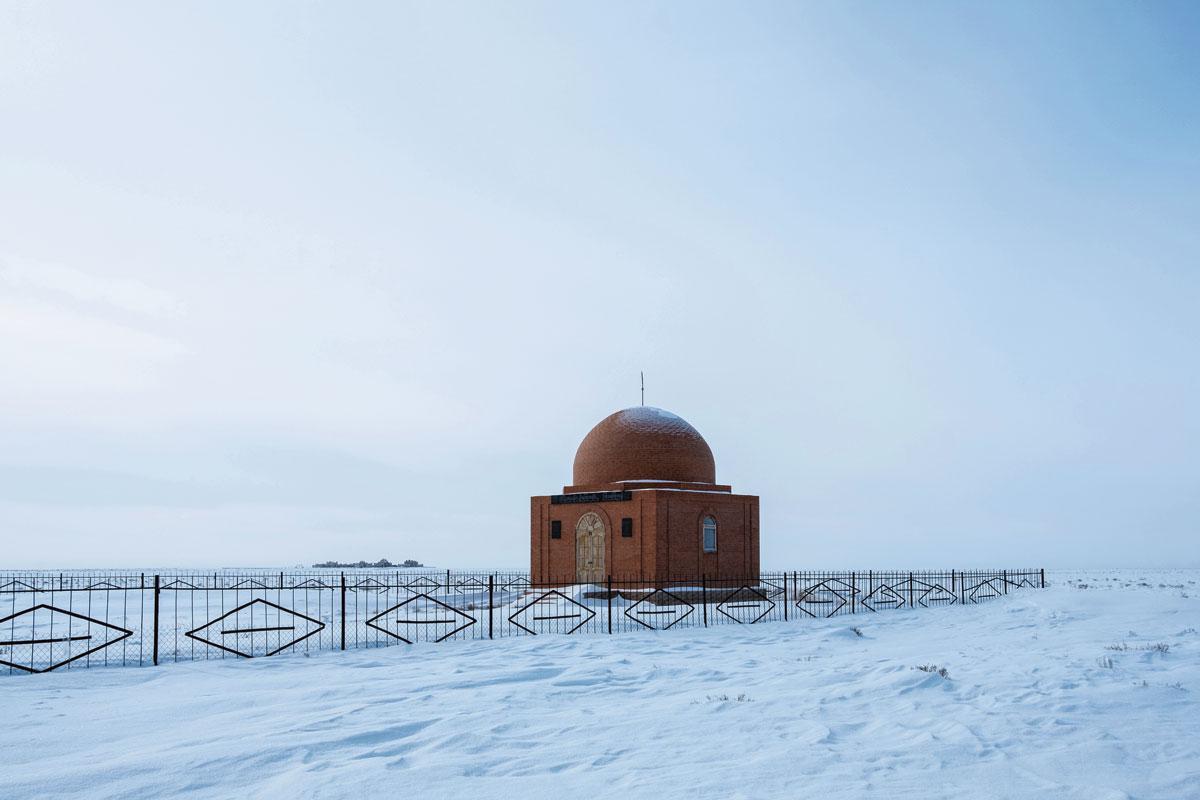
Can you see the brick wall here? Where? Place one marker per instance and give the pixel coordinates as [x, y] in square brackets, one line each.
[666, 541]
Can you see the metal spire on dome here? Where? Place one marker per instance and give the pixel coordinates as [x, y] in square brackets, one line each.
[643, 374]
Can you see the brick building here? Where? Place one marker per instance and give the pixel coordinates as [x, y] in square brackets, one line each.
[644, 502]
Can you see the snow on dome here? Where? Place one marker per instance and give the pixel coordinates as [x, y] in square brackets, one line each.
[643, 443]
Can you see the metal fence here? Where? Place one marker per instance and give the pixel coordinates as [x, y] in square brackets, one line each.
[72, 620]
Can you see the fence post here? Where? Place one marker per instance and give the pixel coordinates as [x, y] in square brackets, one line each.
[343, 611]
[491, 602]
[785, 597]
[952, 586]
[1005, 574]
[962, 590]
[853, 591]
[910, 591]
[1043, 577]
[156, 584]
[610, 603]
[704, 597]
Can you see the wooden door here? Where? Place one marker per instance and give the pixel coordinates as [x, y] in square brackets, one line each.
[589, 549]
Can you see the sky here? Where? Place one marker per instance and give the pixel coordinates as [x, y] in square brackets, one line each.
[287, 282]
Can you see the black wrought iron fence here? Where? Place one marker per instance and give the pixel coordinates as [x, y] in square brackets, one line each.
[71, 620]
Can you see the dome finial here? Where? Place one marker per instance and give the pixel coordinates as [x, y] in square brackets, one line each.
[643, 374]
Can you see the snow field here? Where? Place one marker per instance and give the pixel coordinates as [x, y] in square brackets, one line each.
[1068, 692]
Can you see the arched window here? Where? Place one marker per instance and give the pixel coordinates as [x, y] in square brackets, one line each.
[709, 527]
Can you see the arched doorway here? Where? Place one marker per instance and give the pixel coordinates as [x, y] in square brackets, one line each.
[589, 548]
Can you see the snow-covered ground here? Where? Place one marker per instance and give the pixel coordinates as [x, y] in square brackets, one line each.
[1070, 692]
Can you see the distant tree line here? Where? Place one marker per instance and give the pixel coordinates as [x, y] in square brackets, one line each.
[382, 563]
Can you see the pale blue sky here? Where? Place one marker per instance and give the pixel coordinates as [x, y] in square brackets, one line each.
[281, 283]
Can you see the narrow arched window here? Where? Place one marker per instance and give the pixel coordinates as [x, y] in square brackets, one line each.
[710, 535]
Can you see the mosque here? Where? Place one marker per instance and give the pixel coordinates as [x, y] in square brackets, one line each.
[644, 503]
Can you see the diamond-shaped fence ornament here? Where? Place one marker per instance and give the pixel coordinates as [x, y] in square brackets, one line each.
[984, 590]
[517, 584]
[369, 585]
[179, 584]
[883, 597]
[312, 583]
[746, 605]
[935, 595]
[659, 610]
[44, 637]
[825, 599]
[471, 584]
[422, 585]
[421, 618]
[552, 612]
[249, 583]
[257, 628]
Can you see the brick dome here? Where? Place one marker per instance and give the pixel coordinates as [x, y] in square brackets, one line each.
[643, 443]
